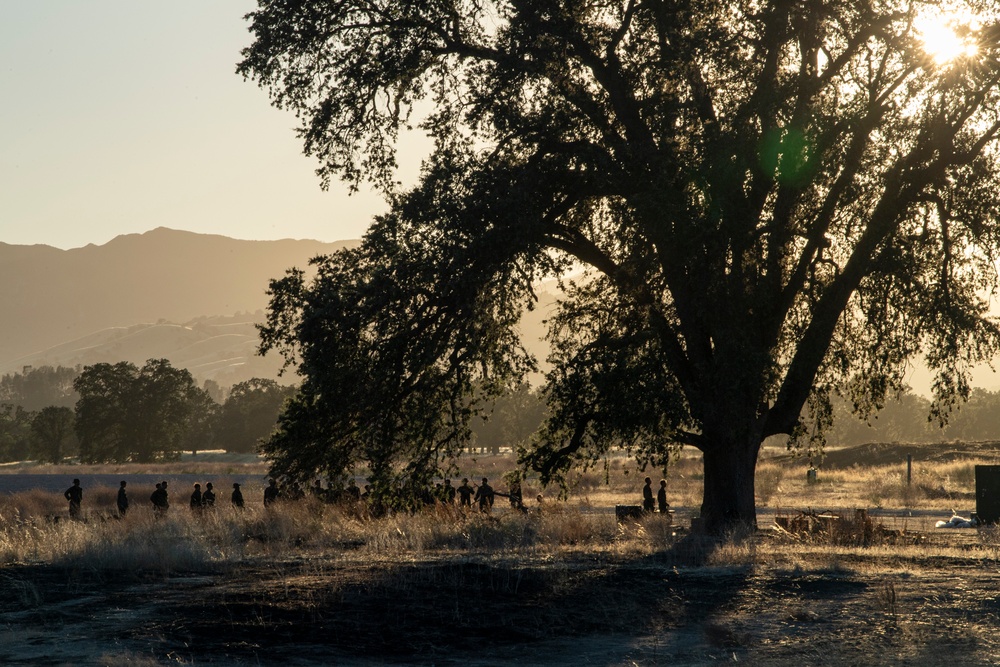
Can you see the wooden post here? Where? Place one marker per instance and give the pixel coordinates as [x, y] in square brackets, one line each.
[909, 469]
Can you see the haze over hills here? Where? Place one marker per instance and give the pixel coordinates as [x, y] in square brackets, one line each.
[191, 298]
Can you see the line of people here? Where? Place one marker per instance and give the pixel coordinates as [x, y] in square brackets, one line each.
[467, 494]
[198, 501]
[483, 494]
[444, 492]
[160, 498]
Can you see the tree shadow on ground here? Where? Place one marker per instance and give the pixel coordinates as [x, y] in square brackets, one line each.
[671, 607]
[455, 608]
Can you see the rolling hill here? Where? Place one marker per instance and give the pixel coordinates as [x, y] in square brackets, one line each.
[191, 298]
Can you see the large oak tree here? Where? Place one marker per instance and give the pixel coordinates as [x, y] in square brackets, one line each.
[768, 199]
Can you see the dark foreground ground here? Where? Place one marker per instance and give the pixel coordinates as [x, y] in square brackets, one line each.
[881, 608]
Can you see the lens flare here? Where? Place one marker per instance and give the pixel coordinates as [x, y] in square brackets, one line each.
[945, 40]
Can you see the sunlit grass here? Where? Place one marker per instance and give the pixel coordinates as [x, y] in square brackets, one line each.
[34, 527]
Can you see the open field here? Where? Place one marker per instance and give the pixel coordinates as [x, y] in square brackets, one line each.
[311, 584]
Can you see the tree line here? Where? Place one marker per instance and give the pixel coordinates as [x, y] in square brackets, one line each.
[515, 416]
[117, 413]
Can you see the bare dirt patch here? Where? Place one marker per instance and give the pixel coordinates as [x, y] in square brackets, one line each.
[882, 608]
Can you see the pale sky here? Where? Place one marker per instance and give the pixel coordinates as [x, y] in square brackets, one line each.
[119, 116]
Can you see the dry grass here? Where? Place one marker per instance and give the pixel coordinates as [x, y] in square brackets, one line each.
[566, 578]
[579, 522]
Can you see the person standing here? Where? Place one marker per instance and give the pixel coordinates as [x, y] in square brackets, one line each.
[465, 493]
[196, 499]
[516, 496]
[647, 496]
[74, 495]
[122, 500]
[661, 497]
[484, 495]
[449, 492]
[271, 493]
[237, 497]
[295, 492]
[160, 499]
[208, 498]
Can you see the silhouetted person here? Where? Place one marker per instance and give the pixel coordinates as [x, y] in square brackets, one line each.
[208, 498]
[661, 496]
[449, 492]
[74, 495]
[160, 499]
[647, 496]
[318, 491]
[516, 499]
[465, 493]
[484, 495]
[271, 493]
[237, 497]
[353, 492]
[295, 492]
[122, 500]
[196, 498]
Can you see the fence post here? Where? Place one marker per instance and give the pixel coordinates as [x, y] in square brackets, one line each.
[909, 468]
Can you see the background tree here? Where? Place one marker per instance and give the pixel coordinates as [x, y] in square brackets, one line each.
[902, 419]
[126, 413]
[249, 414]
[204, 410]
[52, 434]
[38, 388]
[511, 421]
[214, 391]
[770, 200]
[15, 433]
[976, 419]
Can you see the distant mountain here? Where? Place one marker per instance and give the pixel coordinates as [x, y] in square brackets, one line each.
[191, 298]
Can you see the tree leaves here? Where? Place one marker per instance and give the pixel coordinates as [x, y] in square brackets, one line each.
[773, 199]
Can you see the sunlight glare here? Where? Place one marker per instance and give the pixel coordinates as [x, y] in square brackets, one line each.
[946, 38]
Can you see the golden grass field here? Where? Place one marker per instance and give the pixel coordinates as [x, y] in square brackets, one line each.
[313, 584]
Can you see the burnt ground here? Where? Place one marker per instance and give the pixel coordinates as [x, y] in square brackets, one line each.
[577, 609]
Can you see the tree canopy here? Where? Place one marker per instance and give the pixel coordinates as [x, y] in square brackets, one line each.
[749, 203]
[37, 388]
[52, 433]
[249, 414]
[126, 413]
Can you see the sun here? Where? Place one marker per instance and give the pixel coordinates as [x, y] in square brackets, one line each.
[947, 37]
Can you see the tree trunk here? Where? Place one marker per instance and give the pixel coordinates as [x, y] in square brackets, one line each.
[728, 501]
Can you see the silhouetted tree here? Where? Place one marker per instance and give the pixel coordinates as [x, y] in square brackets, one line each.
[976, 419]
[514, 417]
[37, 388]
[202, 417]
[126, 413]
[52, 434]
[249, 414]
[770, 199]
[15, 433]
[214, 391]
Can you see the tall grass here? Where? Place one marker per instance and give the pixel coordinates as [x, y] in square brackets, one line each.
[217, 539]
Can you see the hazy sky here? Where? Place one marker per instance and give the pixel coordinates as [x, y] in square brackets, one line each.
[119, 116]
